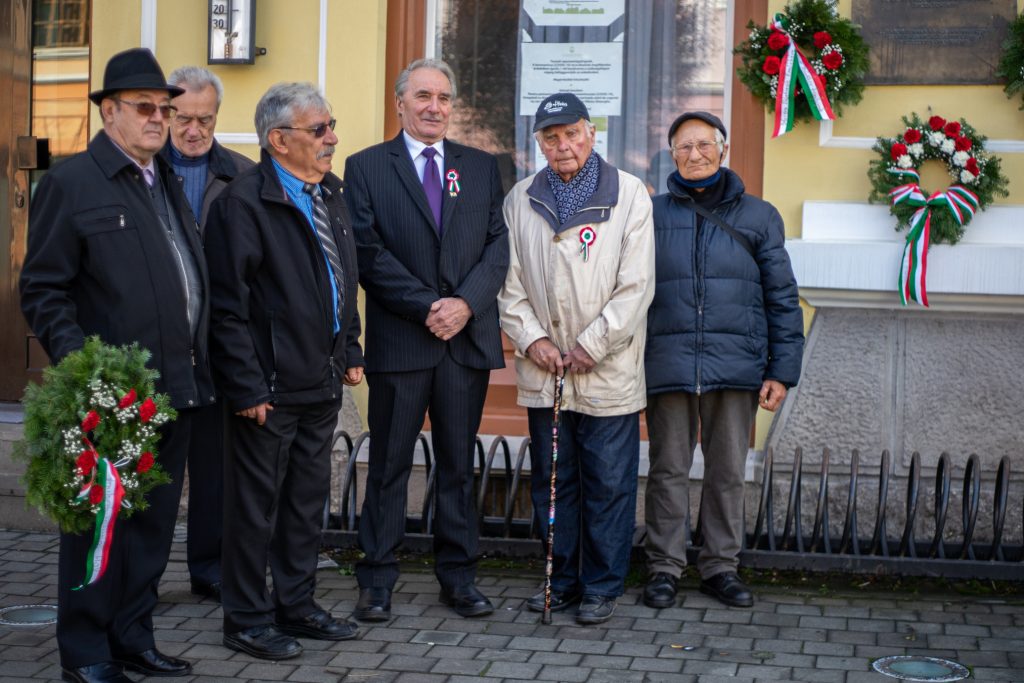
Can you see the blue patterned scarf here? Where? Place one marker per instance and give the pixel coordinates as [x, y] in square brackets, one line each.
[574, 195]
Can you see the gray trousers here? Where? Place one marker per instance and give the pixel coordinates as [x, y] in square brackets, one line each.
[725, 418]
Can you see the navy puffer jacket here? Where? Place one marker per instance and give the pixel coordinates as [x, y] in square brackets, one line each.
[719, 319]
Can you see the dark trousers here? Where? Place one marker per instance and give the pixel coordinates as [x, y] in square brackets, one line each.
[276, 480]
[114, 616]
[725, 419]
[454, 396]
[206, 495]
[595, 497]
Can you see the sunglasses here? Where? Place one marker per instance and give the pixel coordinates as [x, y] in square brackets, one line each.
[147, 109]
[318, 131]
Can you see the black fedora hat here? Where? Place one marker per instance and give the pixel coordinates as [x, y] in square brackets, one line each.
[134, 69]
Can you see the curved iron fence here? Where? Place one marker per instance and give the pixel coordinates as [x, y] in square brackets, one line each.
[503, 492]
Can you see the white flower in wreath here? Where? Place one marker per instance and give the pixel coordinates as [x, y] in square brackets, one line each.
[960, 158]
[967, 177]
[905, 161]
[916, 149]
[947, 146]
[936, 138]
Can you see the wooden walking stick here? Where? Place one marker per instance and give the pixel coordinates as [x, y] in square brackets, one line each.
[546, 616]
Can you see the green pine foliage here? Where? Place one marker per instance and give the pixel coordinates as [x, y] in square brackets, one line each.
[989, 183]
[843, 84]
[54, 411]
[1011, 65]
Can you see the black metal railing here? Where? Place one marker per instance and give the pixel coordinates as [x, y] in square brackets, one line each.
[507, 523]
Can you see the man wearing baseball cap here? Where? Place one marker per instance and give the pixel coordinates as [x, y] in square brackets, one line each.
[574, 305]
[724, 336]
[114, 251]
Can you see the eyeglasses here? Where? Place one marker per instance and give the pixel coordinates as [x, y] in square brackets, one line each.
[184, 120]
[147, 109]
[704, 147]
[318, 131]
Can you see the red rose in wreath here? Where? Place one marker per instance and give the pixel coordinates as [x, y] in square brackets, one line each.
[821, 39]
[936, 122]
[963, 144]
[771, 65]
[952, 129]
[145, 462]
[95, 494]
[91, 421]
[912, 135]
[898, 150]
[777, 40]
[972, 166]
[147, 410]
[832, 61]
[85, 462]
[127, 400]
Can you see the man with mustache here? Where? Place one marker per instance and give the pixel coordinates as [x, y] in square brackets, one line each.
[433, 251]
[284, 340]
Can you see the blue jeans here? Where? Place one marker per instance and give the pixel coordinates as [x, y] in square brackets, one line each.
[595, 508]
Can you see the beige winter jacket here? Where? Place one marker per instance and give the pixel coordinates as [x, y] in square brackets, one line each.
[598, 300]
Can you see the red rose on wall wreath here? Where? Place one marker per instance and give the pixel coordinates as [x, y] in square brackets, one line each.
[807, 63]
[932, 216]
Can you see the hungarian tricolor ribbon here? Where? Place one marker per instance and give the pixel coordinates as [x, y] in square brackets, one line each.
[961, 204]
[106, 480]
[587, 237]
[795, 67]
[453, 182]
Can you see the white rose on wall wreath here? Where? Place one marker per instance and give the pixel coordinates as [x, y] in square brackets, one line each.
[805, 64]
[1011, 65]
[940, 216]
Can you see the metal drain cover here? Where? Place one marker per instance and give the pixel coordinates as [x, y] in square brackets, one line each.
[28, 615]
[920, 668]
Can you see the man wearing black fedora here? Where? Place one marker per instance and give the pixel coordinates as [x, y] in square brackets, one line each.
[114, 251]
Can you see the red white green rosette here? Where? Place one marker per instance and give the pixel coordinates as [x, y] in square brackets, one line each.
[932, 216]
[587, 238]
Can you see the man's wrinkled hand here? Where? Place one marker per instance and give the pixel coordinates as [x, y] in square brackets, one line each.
[258, 413]
[771, 395]
[447, 317]
[546, 356]
[579, 361]
[353, 376]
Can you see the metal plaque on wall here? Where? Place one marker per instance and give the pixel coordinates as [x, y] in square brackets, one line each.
[956, 42]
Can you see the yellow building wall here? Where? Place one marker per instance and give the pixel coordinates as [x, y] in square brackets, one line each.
[353, 74]
[797, 168]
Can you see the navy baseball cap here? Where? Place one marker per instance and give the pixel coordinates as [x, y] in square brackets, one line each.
[706, 117]
[560, 109]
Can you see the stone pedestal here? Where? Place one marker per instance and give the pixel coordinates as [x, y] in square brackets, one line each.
[880, 376]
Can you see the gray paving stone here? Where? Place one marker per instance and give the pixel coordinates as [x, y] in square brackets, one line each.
[467, 667]
[316, 674]
[827, 648]
[502, 655]
[486, 640]
[584, 646]
[556, 658]
[617, 676]
[358, 660]
[564, 674]
[411, 677]
[272, 671]
[846, 663]
[709, 668]
[453, 652]
[369, 676]
[810, 675]
[606, 662]
[634, 649]
[656, 664]
[524, 670]
[218, 668]
[406, 649]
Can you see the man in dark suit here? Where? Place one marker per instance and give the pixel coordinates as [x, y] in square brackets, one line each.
[284, 336]
[433, 253]
[204, 167]
[114, 251]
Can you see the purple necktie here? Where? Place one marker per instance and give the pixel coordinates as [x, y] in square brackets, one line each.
[432, 185]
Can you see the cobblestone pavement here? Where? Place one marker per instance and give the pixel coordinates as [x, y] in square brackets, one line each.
[788, 635]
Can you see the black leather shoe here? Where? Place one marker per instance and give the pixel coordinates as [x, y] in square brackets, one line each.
[559, 601]
[595, 609]
[263, 642]
[319, 625]
[152, 662]
[374, 604]
[467, 601]
[104, 672]
[728, 589]
[206, 590]
[660, 591]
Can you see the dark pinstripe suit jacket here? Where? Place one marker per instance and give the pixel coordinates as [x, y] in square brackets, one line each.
[404, 267]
